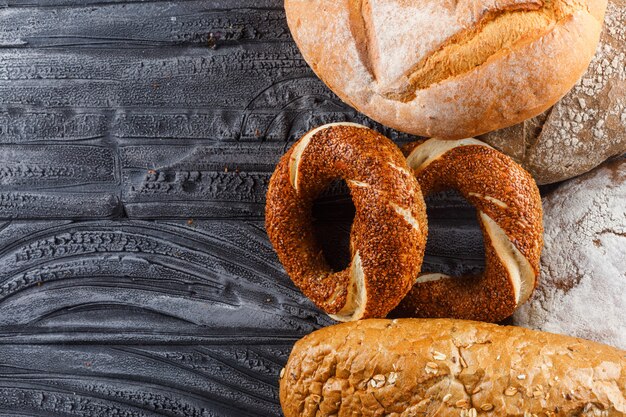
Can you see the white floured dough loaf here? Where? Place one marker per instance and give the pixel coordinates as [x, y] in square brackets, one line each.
[450, 69]
[588, 125]
[582, 290]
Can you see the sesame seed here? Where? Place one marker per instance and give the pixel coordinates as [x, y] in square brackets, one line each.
[463, 363]
[510, 391]
[462, 403]
[447, 397]
[431, 368]
[438, 356]
[424, 402]
[282, 373]
[377, 381]
[521, 376]
[486, 407]
[392, 378]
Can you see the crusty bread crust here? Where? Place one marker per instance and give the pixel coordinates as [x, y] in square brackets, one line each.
[509, 212]
[585, 127]
[517, 82]
[582, 290]
[388, 235]
[450, 368]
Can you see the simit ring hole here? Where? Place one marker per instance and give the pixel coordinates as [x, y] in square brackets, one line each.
[455, 243]
[333, 213]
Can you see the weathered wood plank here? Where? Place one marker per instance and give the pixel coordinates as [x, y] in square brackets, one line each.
[219, 274]
[203, 380]
[187, 131]
[137, 139]
[141, 24]
[164, 318]
[214, 274]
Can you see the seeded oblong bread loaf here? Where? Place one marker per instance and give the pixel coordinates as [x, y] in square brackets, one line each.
[443, 367]
[443, 68]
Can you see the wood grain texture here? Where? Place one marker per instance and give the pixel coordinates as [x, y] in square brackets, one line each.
[137, 139]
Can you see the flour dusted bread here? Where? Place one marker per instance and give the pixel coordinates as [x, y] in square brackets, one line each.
[582, 287]
[584, 128]
[442, 367]
[450, 69]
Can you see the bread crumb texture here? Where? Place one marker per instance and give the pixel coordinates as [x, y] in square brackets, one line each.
[443, 367]
[582, 290]
[588, 125]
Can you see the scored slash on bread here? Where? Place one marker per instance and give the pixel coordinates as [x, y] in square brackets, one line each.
[388, 235]
[385, 29]
[510, 215]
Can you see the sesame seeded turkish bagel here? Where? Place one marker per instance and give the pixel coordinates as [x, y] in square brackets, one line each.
[388, 235]
[444, 68]
[510, 215]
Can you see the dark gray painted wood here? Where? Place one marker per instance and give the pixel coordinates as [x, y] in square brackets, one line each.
[137, 139]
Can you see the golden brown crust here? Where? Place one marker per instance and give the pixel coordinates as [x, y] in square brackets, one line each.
[389, 229]
[450, 368]
[518, 81]
[585, 127]
[502, 190]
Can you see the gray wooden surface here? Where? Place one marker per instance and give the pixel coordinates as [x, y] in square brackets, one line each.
[136, 142]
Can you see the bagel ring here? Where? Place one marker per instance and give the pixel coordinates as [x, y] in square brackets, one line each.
[388, 234]
[510, 215]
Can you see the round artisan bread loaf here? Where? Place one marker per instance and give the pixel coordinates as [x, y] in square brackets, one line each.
[450, 69]
[450, 368]
[584, 128]
[582, 290]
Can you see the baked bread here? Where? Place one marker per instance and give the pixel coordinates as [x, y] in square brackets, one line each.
[388, 235]
[582, 289]
[450, 368]
[509, 212]
[588, 125]
[443, 68]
